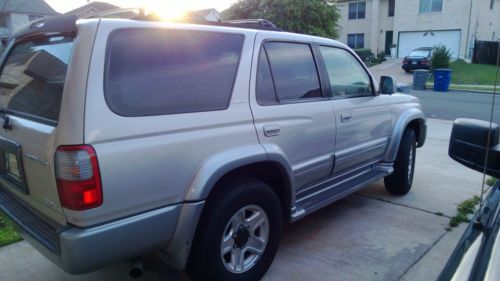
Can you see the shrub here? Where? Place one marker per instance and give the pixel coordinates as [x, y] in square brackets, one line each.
[381, 57]
[365, 54]
[441, 57]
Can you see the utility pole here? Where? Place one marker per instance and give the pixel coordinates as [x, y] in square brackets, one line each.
[468, 53]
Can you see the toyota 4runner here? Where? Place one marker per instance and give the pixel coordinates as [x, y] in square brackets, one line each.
[123, 137]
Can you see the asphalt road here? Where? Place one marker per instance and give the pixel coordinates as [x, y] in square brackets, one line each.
[452, 105]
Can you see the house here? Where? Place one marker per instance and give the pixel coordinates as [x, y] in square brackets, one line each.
[16, 13]
[91, 9]
[377, 24]
[203, 15]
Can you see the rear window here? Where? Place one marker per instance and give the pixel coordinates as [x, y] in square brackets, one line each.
[419, 53]
[32, 79]
[157, 72]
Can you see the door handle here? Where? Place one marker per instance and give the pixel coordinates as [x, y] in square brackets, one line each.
[346, 117]
[271, 130]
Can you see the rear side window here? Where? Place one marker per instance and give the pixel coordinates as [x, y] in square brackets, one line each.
[157, 72]
[293, 70]
[32, 79]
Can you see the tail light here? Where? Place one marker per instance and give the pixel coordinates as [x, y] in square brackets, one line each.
[425, 62]
[78, 177]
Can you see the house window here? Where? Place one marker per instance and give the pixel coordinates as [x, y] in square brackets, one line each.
[391, 8]
[3, 19]
[356, 41]
[34, 17]
[428, 6]
[357, 10]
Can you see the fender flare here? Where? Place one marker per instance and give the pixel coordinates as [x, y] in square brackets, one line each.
[404, 119]
[218, 165]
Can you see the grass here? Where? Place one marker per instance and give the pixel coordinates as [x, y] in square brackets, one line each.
[472, 74]
[8, 233]
[491, 181]
[464, 209]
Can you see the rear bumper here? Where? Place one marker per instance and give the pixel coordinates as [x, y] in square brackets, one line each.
[414, 66]
[82, 250]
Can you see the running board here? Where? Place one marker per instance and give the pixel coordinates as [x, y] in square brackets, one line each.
[337, 188]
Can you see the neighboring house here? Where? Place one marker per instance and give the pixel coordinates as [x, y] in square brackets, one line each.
[92, 8]
[16, 13]
[203, 15]
[377, 24]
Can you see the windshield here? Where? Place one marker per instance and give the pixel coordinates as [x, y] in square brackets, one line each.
[419, 53]
[32, 79]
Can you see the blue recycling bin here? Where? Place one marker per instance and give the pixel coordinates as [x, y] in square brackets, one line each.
[442, 79]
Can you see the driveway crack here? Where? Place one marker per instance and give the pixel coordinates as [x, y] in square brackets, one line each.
[403, 205]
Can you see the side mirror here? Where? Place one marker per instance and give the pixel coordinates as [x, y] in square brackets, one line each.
[388, 85]
[468, 145]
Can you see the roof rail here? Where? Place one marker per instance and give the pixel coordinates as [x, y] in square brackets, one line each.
[246, 23]
[125, 13]
[140, 14]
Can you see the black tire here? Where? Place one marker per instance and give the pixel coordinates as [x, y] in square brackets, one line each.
[206, 259]
[407, 70]
[399, 182]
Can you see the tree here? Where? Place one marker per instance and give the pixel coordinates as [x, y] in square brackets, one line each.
[315, 17]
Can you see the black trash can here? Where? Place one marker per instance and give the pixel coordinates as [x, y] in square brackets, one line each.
[420, 78]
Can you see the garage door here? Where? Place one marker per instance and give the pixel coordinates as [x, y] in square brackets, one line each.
[409, 41]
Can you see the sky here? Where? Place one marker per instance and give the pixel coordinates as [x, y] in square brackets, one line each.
[170, 7]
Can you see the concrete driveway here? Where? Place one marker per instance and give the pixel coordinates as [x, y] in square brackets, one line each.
[392, 67]
[370, 235]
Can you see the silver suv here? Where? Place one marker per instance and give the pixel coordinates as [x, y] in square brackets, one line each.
[124, 137]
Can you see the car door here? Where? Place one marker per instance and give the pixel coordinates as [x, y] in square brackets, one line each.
[291, 113]
[362, 118]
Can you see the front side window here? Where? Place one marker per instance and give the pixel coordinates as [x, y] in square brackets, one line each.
[33, 75]
[357, 10]
[428, 6]
[347, 77]
[356, 41]
[158, 72]
[293, 71]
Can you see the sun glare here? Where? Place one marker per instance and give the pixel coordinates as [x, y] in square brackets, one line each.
[168, 10]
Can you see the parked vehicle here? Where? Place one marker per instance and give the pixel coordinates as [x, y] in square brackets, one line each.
[418, 59]
[477, 254]
[122, 137]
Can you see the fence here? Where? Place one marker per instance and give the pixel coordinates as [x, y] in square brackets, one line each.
[485, 52]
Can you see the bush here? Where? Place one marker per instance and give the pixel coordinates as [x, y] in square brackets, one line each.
[441, 57]
[365, 54]
[381, 57]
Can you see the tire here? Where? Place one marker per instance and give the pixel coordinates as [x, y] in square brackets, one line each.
[407, 70]
[399, 182]
[222, 220]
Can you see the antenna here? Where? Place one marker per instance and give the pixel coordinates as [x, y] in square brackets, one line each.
[478, 223]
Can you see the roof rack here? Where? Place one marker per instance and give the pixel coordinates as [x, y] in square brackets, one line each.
[248, 23]
[140, 14]
[125, 13]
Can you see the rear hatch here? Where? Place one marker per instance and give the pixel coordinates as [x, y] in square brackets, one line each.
[32, 80]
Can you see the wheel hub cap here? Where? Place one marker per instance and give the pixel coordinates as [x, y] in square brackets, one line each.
[244, 239]
[241, 237]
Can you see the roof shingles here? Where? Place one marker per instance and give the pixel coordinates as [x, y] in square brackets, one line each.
[36, 7]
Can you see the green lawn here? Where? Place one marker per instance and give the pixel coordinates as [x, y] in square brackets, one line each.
[8, 234]
[472, 74]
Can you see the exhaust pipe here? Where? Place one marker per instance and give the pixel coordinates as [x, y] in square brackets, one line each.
[137, 269]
